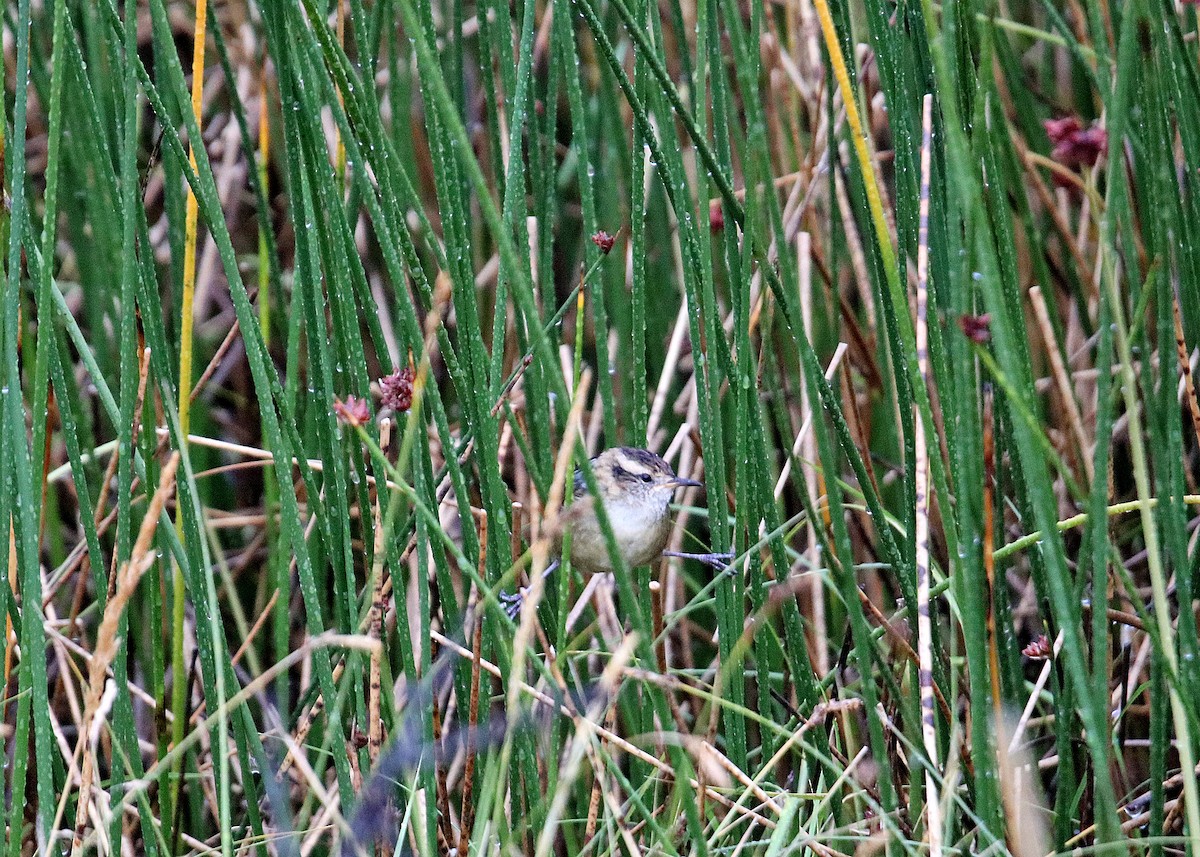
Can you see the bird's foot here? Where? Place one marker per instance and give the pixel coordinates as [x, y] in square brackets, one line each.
[719, 561]
[512, 601]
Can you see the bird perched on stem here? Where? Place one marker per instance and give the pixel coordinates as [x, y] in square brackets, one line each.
[636, 486]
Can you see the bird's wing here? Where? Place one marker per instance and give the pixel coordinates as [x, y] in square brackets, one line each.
[581, 488]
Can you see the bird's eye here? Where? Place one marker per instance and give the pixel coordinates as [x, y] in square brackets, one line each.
[646, 478]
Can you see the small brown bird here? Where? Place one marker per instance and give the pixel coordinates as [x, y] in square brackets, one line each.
[636, 486]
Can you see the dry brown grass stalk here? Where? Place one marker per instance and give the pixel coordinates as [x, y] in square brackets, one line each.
[108, 642]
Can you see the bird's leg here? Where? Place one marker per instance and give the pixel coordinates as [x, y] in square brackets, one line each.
[512, 601]
[719, 561]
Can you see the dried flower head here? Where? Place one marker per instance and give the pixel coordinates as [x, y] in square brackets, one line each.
[977, 328]
[1075, 145]
[604, 241]
[352, 412]
[397, 389]
[1039, 650]
[716, 216]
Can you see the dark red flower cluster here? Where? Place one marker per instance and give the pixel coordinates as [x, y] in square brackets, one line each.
[604, 241]
[1075, 145]
[977, 328]
[353, 411]
[716, 216]
[1039, 650]
[397, 389]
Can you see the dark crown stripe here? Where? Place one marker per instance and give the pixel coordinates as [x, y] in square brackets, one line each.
[646, 459]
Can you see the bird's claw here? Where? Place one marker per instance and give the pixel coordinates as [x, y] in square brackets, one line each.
[719, 561]
[512, 602]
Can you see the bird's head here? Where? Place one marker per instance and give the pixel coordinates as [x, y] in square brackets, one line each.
[626, 474]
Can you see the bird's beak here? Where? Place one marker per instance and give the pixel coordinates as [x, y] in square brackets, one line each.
[679, 481]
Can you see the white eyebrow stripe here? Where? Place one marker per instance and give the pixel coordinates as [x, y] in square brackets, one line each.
[632, 465]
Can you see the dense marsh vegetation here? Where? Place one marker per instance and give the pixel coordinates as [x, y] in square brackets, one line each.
[913, 288]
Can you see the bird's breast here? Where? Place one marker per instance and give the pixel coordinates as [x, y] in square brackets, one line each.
[640, 532]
